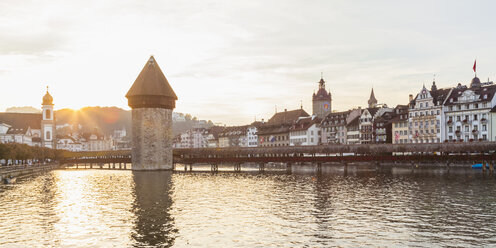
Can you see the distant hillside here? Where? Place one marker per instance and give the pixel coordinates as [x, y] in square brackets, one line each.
[25, 109]
[108, 119]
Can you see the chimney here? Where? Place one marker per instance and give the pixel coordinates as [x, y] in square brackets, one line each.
[410, 98]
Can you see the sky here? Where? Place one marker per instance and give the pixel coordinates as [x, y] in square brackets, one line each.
[236, 61]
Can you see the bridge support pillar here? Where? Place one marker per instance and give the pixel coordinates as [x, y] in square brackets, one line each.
[261, 167]
[91, 165]
[237, 167]
[214, 167]
[289, 168]
[319, 167]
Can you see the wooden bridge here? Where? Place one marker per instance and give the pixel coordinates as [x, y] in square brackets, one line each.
[446, 153]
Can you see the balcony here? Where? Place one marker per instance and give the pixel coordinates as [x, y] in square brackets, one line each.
[449, 122]
[457, 132]
[475, 132]
[483, 120]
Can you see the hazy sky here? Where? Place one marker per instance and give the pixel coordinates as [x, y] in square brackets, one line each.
[230, 61]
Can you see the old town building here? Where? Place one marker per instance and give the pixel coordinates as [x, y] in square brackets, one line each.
[353, 131]
[275, 132]
[467, 112]
[425, 115]
[305, 132]
[399, 125]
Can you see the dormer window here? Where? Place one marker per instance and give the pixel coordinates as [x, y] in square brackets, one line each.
[485, 96]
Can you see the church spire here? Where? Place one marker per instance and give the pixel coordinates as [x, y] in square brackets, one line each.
[372, 101]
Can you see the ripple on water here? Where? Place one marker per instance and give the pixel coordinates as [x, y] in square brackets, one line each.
[362, 208]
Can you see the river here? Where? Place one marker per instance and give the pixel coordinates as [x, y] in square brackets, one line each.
[356, 208]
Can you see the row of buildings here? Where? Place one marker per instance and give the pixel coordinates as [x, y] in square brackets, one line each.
[463, 113]
[40, 130]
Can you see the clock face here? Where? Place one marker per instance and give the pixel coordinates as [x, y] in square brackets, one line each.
[326, 106]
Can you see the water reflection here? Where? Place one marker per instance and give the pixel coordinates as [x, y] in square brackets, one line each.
[354, 208]
[154, 225]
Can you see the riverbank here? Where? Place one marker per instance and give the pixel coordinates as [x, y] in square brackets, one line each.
[19, 171]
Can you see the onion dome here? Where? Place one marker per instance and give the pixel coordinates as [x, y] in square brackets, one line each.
[47, 99]
[151, 89]
[475, 83]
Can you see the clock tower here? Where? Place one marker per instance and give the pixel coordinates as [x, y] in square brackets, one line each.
[321, 102]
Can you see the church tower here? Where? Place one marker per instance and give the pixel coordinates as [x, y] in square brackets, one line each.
[321, 102]
[372, 101]
[48, 122]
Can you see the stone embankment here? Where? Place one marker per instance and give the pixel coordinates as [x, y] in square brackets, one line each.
[24, 170]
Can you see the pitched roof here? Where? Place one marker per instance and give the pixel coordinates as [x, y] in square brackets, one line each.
[288, 117]
[372, 111]
[151, 82]
[17, 130]
[488, 90]
[21, 120]
[354, 121]
[304, 123]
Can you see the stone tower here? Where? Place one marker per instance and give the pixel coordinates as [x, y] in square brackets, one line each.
[372, 101]
[152, 101]
[321, 102]
[48, 122]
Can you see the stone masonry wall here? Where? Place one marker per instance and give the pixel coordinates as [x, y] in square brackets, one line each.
[152, 139]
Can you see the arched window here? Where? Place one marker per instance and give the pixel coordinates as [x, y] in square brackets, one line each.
[47, 114]
[47, 135]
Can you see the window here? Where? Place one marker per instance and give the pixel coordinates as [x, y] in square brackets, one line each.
[466, 128]
[484, 127]
[458, 118]
[476, 105]
[484, 137]
[421, 105]
[47, 114]
[450, 129]
[467, 106]
[438, 112]
[432, 112]
[47, 135]
[475, 117]
[426, 104]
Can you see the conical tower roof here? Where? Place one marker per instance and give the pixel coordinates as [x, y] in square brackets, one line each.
[151, 88]
[372, 99]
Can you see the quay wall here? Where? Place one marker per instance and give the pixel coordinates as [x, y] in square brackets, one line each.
[17, 171]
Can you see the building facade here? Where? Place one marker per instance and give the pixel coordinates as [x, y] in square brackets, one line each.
[468, 112]
[426, 115]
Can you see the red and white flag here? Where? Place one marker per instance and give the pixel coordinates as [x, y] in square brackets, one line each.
[475, 65]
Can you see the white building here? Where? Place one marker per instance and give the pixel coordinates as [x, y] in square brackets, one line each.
[305, 132]
[467, 112]
[426, 115]
[70, 144]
